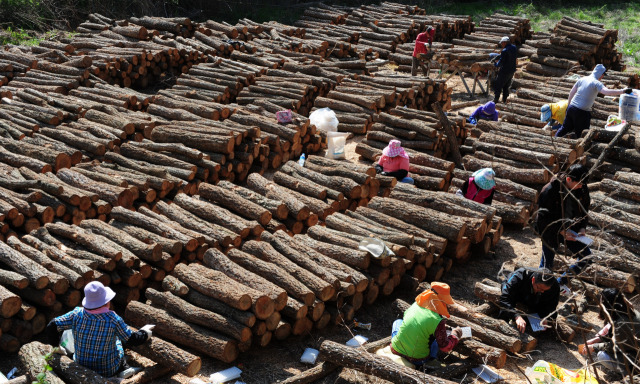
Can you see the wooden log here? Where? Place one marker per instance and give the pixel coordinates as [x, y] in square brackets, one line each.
[214, 284]
[277, 208]
[172, 328]
[367, 363]
[171, 356]
[235, 203]
[35, 273]
[266, 296]
[147, 252]
[273, 273]
[528, 342]
[10, 303]
[211, 304]
[193, 314]
[270, 190]
[433, 221]
[32, 358]
[265, 251]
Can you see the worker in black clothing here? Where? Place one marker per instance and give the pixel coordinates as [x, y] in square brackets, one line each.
[537, 289]
[506, 63]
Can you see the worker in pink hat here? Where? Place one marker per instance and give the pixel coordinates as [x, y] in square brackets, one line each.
[98, 333]
[394, 162]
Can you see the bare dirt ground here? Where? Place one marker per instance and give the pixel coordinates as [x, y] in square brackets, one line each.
[280, 359]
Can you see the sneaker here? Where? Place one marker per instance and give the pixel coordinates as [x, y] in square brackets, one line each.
[127, 373]
[564, 290]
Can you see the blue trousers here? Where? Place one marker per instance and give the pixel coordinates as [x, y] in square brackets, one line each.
[576, 121]
[433, 349]
[580, 250]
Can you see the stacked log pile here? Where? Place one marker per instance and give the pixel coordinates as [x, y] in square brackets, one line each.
[14, 63]
[289, 89]
[320, 188]
[572, 44]
[422, 137]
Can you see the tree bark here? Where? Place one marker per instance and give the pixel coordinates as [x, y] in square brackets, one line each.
[147, 252]
[214, 284]
[430, 220]
[235, 203]
[273, 273]
[258, 183]
[32, 358]
[200, 339]
[266, 252]
[266, 296]
[359, 359]
[193, 314]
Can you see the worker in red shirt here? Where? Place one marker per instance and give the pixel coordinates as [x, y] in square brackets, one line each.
[422, 40]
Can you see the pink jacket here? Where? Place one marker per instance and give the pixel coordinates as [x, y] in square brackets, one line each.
[392, 164]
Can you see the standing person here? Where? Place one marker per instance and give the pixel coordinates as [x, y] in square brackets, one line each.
[422, 40]
[562, 215]
[581, 99]
[616, 344]
[98, 333]
[553, 114]
[507, 62]
[537, 290]
[480, 186]
[486, 111]
[394, 162]
[422, 331]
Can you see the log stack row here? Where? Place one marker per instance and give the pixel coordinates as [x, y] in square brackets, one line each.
[574, 43]
[14, 63]
[422, 135]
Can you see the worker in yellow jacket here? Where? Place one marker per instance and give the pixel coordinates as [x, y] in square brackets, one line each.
[553, 114]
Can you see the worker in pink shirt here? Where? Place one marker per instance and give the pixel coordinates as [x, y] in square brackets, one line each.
[422, 40]
[394, 162]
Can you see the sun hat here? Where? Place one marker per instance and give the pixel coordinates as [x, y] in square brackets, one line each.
[96, 295]
[443, 291]
[436, 298]
[599, 70]
[545, 112]
[505, 39]
[375, 247]
[489, 108]
[394, 149]
[484, 178]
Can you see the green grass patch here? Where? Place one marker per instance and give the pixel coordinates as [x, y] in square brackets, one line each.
[17, 37]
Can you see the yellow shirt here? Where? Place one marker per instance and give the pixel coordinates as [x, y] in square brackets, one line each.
[559, 110]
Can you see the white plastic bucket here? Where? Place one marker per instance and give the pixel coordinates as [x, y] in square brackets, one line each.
[628, 107]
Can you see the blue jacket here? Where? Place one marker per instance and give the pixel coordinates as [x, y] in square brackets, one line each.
[508, 59]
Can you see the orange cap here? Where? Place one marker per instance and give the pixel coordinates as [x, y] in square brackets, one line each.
[443, 291]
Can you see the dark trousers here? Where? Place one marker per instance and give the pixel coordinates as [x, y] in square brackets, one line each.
[576, 120]
[501, 84]
[415, 63]
[580, 250]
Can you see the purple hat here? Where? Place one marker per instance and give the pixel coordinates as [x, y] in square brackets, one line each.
[96, 295]
[489, 108]
[394, 149]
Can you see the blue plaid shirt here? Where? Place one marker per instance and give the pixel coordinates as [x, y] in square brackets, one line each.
[97, 339]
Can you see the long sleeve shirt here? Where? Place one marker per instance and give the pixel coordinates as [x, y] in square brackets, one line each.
[519, 289]
[422, 39]
[97, 338]
[560, 209]
[508, 59]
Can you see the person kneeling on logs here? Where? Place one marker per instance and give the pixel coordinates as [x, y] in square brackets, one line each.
[486, 111]
[422, 331]
[394, 162]
[538, 290]
[98, 333]
[480, 187]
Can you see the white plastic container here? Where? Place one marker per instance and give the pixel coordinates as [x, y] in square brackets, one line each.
[357, 341]
[628, 107]
[309, 356]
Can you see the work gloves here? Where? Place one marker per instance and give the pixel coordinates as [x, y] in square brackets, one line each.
[147, 329]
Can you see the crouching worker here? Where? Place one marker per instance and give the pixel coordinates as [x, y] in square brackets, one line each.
[98, 333]
[480, 187]
[553, 114]
[537, 290]
[394, 162]
[422, 332]
[486, 111]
